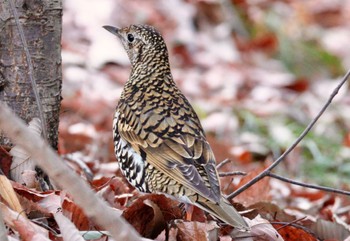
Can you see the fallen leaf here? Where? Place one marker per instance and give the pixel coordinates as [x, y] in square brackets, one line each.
[10, 217]
[292, 233]
[67, 228]
[22, 161]
[271, 212]
[75, 214]
[140, 215]
[328, 230]
[258, 192]
[27, 232]
[9, 195]
[156, 224]
[261, 229]
[114, 190]
[188, 231]
[5, 160]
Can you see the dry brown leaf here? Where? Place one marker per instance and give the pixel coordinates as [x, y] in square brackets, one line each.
[33, 209]
[330, 230]
[22, 162]
[72, 142]
[312, 195]
[194, 213]
[242, 154]
[272, 212]
[32, 194]
[225, 238]
[171, 233]
[98, 184]
[157, 222]
[79, 163]
[188, 231]
[114, 190]
[27, 233]
[5, 160]
[260, 191]
[67, 228]
[291, 233]
[51, 202]
[40, 204]
[261, 229]
[29, 179]
[299, 85]
[11, 216]
[267, 43]
[75, 214]
[140, 215]
[9, 195]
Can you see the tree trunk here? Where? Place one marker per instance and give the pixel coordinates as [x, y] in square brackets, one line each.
[41, 23]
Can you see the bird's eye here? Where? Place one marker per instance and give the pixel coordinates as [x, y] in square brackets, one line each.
[130, 37]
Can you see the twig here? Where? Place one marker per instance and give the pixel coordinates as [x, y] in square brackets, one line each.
[236, 173]
[302, 135]
[293, 224]
[284, 179]
[323, 188]
[221, 164]
[49, 161]
[289, 223]
[44, 224]
[30, 69]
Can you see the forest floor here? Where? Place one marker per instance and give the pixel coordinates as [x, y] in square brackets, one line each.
[256, 72]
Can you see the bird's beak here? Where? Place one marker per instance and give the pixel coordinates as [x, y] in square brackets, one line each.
[112, 30]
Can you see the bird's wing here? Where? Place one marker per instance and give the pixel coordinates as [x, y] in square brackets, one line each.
[174, 145]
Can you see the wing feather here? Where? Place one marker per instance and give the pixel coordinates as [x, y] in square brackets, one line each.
[178, 148]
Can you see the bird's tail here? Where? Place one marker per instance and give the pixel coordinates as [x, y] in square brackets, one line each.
[225, 212]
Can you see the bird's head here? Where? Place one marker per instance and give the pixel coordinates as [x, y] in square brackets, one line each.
[141, 42]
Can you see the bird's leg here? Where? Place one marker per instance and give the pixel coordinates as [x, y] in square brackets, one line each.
[183, 208]
[189, 211]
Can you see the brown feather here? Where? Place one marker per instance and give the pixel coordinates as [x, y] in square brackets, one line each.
[158, 137]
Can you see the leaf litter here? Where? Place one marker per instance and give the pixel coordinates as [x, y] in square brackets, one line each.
[252, 93]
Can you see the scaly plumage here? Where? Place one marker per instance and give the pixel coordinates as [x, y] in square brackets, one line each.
[159, 141]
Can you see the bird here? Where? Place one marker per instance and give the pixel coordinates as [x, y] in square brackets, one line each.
[158, 138]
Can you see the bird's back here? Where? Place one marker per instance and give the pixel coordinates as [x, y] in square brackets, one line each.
[159, 123]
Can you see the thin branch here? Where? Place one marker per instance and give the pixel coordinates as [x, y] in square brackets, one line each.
[293, 224]
[42, 222]
[93, 206]
[291, 181]
[323, 188]
[302, 135]
[228, 174]
[221, 164]
[30, 69]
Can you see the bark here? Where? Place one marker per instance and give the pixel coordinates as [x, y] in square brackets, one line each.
[41, 22]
